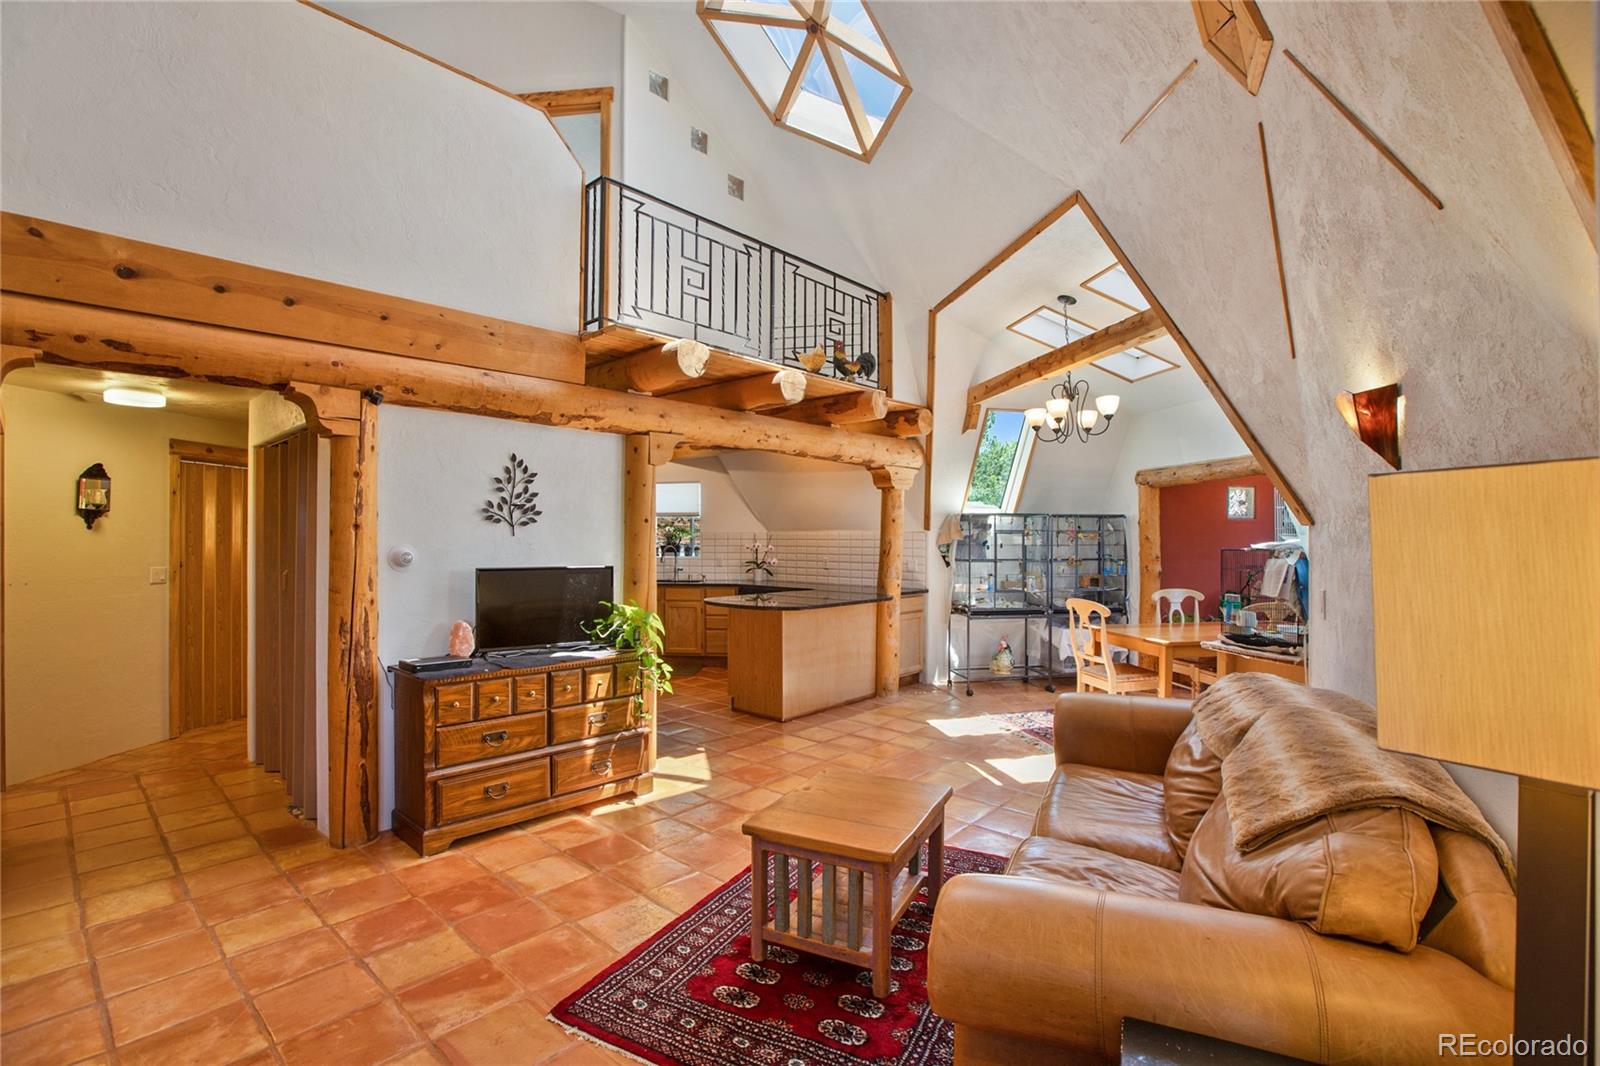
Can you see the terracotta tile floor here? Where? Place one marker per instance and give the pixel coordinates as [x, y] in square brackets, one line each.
[164, 906]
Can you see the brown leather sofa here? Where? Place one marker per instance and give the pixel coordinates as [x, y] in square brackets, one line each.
[1042, 964]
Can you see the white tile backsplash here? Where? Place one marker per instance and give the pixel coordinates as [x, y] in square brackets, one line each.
[812, 557]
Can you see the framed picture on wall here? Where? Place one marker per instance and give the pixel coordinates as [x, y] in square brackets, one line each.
[1241, 501]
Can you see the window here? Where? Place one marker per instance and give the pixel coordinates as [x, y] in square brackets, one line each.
[821, 70]
[583, 119]
[1001, 464]
[678, 518]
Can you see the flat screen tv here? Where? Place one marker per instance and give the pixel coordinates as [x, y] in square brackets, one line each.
[531, 606]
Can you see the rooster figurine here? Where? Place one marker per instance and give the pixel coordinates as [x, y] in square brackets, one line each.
[812, 360]
[849, 369]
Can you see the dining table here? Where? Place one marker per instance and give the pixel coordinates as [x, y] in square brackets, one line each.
[1163, 642]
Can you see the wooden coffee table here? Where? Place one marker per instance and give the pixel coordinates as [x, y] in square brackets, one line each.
[871, 828]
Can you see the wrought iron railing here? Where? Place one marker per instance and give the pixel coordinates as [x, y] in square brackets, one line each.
[655, 266]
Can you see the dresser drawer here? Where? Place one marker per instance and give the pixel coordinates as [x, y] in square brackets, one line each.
[532, 693]
[493, 790]
[627, 678]
[494, 698]
[566, 688]
[452, 703]
[605, 762]
[598, 684]
[484, 740]
[593, 720]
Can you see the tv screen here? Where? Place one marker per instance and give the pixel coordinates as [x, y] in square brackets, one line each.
[524, 607]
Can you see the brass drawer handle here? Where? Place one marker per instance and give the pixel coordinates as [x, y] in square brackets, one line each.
[600, 718]
[494, 699]
[602, 767]
[568, 687]
[455, 704]
[498, 737]
[499, 791]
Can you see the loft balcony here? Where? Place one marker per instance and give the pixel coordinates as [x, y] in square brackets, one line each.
[653, 272]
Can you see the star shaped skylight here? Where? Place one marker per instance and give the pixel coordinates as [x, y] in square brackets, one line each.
[818, 67]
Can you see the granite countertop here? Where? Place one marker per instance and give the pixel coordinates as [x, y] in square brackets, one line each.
[807, 599]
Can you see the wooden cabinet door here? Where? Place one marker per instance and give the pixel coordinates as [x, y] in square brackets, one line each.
[684, 621]
[913, 633]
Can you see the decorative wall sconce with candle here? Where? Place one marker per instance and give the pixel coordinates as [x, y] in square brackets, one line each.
[93, 494]
[1377, 416]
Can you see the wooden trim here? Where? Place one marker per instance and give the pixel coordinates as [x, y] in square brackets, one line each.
[1365, 130]
[1165, 477]
[1043, 223]
[1250, 38]
[201, 452]
[1080, 323]
[1140, 121]
[791, 88]
[562, 103]
[1087, 285]
[1277, 243]
[1290, 497]
[1119, 336]
[353, 672]
[74, 334]
[174, 615]
[1549, 96]
[63, 262]
[886, 343]
[927, 444]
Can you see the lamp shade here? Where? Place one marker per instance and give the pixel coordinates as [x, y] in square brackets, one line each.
[1486, 616]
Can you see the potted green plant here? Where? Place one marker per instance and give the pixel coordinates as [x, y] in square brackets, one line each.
[631, 628]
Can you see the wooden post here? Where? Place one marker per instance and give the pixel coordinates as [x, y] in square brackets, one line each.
[352, 625]
[892, 483]
[641, 454]
[886, 345]
[1149, 550]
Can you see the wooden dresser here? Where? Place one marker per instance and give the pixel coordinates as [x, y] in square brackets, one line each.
[482, 748]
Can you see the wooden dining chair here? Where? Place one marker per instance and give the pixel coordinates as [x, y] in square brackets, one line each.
[1086, 629]
[1192, 673]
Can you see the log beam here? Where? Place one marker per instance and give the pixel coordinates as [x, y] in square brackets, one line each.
[80, 335]
[891, 483]
[353, 633]
[738, 394]
[62, 262]
[915, 422]
[1163, 477]
[1132, 331]
[661, 366]
[847, 408]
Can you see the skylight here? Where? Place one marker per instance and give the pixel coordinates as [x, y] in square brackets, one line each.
[1114, 284]
[1043, 325]
[818, 67]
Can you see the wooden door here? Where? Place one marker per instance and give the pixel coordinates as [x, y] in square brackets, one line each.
[207, 594]
[285, 612]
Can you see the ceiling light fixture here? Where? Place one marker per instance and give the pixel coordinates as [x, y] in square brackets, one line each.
[1068, 413]
[134, 397]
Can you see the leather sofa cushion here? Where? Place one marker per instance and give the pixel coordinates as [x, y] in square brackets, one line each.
[1369, 874]
[1112, 810]
[1192, 783]
[1049, 859]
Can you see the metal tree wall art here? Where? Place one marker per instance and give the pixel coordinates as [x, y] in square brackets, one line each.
[513, 501]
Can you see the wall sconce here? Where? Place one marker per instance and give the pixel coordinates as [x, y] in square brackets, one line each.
[1376, 416]
[94, 494]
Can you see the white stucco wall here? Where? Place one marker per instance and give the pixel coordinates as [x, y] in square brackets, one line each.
[434, 471]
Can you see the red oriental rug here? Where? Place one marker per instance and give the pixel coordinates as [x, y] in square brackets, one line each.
[691, 995]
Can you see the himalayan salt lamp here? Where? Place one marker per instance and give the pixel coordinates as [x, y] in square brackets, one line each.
[461, 641]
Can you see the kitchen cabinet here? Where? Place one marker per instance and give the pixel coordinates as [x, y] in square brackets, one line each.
[913, 635]
[692, 628]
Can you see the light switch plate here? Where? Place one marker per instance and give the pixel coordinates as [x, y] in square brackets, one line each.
[158, 575]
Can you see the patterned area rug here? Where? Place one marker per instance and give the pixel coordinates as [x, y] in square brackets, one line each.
[691, 995]
[1036, 725]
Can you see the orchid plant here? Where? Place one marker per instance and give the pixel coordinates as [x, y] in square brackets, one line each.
[762, 558]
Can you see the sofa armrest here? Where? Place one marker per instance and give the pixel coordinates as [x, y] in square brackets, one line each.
[1132, 733]
[1065, 964]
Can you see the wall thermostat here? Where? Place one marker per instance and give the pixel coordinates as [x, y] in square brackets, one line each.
[401, 558]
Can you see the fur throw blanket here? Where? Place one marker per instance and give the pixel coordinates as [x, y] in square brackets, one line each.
[1292, 753]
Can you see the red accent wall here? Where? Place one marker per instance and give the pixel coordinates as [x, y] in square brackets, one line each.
[1195, 528]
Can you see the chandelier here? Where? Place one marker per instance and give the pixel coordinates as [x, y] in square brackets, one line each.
[1068, 413]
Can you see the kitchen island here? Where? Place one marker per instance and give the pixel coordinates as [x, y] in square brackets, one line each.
[799, 651]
